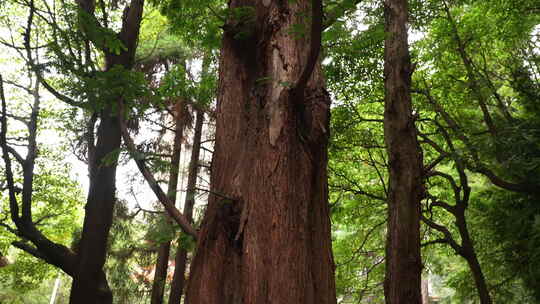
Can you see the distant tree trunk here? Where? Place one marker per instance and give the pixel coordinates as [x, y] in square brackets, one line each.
[162, 263]
[425, 291]
[160, 274]
[403, 260]
[177, 284]
[265, 237]
[3, 261]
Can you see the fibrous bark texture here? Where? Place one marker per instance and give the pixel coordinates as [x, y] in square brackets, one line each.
[403, 261]
[265, 237]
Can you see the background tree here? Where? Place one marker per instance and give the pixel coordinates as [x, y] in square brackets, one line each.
[406, 170]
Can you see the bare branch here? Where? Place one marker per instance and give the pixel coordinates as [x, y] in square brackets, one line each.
[215, 193]
[447, 235]
[16, 154]
[162, 197]
[432, 242]
[29, 249]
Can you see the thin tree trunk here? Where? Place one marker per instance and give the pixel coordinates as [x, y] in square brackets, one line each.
[3, 261]
[479, 279]
[55, 289]
[160, 275]
[89, 282]
[265, 237]
[177, 284]
[469, 254]
[403, 260]
[162, 263]
[466, 248]
[425, 291]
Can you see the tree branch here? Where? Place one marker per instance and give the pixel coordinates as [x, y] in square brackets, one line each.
[447, 235]
[29, 249]
[472, 81]
[432, 242]
[148, 176]
[13, 204]
[333, 16]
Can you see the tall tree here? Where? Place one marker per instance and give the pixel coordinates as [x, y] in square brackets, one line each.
[265, 237]
[475, 84]
[405, 187]
[178, 281]
[89, 284]
[461, 196]
[162, 262]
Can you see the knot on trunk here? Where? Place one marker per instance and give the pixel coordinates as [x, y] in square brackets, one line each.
[312, 111]
[229, 215]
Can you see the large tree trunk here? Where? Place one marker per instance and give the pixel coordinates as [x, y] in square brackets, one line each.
[177, 284]
[162, 262]
[265, 237]
[403, 261]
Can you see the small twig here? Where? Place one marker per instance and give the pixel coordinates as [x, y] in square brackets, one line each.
[432, 242]
[215, 193]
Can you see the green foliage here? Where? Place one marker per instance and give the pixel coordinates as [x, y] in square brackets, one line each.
[357, 165]
[519, 243]
[157, 42]
[57, 205]
[491, 39]
[39, 295]
[177, 83]
[103, 38]
[161, 231]
[354, 69]
[198, 23]
[127, 253]
[102, 88]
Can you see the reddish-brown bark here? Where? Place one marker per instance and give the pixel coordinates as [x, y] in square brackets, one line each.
[405, 191]
[265, 237]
